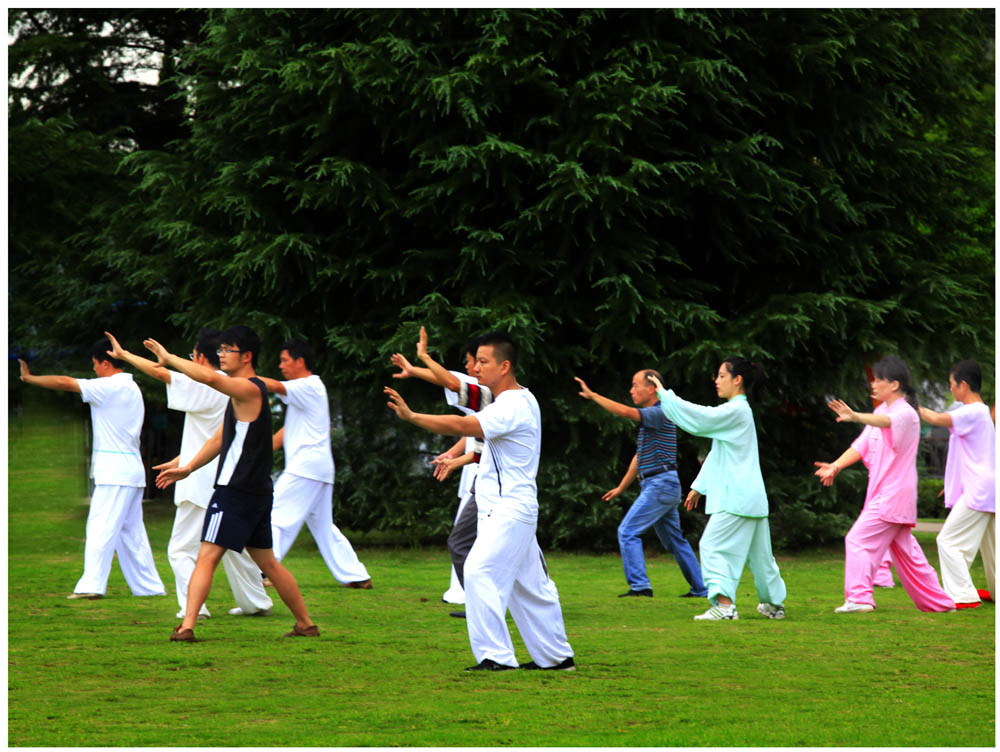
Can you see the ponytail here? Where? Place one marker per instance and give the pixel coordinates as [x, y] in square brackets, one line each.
[753, 374]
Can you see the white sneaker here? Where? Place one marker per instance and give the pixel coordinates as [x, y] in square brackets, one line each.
[850, 607]
[717, 613]
[771, 611]
[239, 612]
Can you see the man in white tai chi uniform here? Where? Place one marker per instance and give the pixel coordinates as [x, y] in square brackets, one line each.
[303, 493]
[505, 568]
[114, 522]
[203, 408]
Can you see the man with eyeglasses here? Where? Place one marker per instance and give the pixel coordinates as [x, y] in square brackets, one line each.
[203, 408]
[114, 520]
[239, 513]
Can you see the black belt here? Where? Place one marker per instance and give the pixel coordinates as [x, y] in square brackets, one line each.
[658, 470]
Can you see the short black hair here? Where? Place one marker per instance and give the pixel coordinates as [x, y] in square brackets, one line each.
[245, 339]
[970, 372]
[504, 347]
[471, 347]
[99, 352]
[299, 348]
[208, 345]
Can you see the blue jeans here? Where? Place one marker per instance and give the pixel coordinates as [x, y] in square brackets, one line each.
[656, 507]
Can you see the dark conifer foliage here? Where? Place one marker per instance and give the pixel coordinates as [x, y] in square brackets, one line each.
[619, 189]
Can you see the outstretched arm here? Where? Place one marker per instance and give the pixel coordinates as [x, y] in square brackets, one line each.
[55, 383]
[936, 419]
[241, 390]
[273, 385]
[444, 466]
[148, 367]
[409, 371]
[170, 472]
[442, 375]
[828, 471]
[448, 425]
[615, 408]
[846, 415]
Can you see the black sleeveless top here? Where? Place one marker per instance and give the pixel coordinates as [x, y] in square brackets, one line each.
[252, 474]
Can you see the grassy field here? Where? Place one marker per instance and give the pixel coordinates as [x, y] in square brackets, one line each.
[387, 670]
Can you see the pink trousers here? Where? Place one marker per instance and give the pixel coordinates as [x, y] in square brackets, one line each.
[865, 547]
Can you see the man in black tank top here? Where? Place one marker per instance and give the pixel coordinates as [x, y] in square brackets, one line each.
[239, 514]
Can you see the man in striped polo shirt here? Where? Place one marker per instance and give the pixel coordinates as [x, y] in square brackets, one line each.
[655, 462]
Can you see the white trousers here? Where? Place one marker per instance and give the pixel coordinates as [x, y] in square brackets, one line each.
[963, 533]
[300, 500]
[241, 571]
[506, 569]
[455, 593]
[114, 525]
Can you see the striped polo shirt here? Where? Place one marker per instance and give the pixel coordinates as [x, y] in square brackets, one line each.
[657, 445]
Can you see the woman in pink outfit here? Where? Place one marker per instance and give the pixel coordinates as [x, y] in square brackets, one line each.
[888, 448]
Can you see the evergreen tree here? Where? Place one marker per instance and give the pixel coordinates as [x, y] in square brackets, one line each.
[618, 189]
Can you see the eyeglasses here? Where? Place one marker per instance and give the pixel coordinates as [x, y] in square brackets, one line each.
[226, 350]
[191, 355]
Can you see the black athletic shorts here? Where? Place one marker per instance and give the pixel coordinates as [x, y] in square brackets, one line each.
[237, 520]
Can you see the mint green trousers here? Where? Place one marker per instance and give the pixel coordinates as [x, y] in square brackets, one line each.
[731, 542]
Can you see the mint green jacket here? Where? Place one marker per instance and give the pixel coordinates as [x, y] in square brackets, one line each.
[730, 477]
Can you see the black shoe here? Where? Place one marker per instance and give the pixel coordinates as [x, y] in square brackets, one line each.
[689, 594]
[566, 665]
[648, 592]
[491, 665]
[457, 614]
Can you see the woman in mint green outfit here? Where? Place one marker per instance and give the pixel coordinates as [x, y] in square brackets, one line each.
[737, 533]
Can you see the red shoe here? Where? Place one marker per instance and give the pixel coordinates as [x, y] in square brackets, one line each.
[968, 605]
[985, 595]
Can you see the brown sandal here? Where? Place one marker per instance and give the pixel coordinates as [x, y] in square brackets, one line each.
[182, 635]
[311, 631]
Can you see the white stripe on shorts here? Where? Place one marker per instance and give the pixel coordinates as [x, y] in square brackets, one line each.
[213, 526]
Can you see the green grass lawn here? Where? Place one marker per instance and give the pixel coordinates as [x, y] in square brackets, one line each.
[387, 669]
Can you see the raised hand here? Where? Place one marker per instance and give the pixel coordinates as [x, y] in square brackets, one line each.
[116, 350]
[397, 404]
[584, 390]
[844, 413]
[25, 373]
[656, 383]
[422, 344]
[404, 366]
[157, 349]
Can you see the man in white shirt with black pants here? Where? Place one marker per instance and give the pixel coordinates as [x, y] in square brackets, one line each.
[114, 522]
[505, 568]
[203, 408]
[303, 492]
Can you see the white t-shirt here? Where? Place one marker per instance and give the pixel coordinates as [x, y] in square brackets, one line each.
[116, 412]
[512, 426]
[468, 475]
[204, 408]
[307, 429]
[970, 471]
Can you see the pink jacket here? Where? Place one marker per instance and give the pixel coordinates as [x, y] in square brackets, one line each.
[890, 454]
